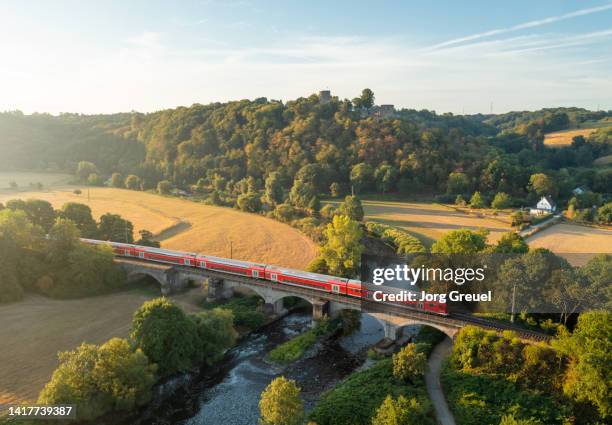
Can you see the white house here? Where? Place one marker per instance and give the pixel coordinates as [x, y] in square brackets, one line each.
[544, 206]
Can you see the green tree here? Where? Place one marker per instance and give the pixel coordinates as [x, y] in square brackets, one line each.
[147, 239]
[476, 201]
[366, 98]
[462, 241]
[80, 215]
[457, 183]
[542, 184]
[115, 228]
[352, 208]
[116, 180]
[249, 202]
[501, 201]
[301, 193]
[401, 411]
[511, 242]
[280, 403]
[166, 335]
[39, 212]
[216, 333]
[459, 200]
[410, 363]
[511, 420]
[164, 187]
[84, 169]
[273, 193]
[362, 177]
[133, 182]
[604, 213]
[100, 379]
[386, 177]
[589, 347]
[94, 180]
[342, 251]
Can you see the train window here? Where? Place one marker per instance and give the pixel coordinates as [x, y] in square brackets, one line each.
[141, 254]
[336, 289]
[274, 277]
[420, 305]
[255, 273]
[186, 262]
[202, 264]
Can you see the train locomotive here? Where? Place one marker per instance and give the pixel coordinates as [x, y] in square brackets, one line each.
[283, 276]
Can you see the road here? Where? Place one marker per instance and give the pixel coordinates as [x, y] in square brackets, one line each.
[432, 381]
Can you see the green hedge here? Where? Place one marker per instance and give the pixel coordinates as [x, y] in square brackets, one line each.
[402, 241]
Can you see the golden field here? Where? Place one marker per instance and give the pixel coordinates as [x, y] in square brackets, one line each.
[574, 242]
[564, 138]
[428, 222]
[190, 226]
[40, 327]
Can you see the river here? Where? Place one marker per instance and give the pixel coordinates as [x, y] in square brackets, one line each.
[228, 394]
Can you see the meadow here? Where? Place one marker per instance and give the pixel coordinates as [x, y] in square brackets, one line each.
[25, 179]
[564, 137]
[190, 226]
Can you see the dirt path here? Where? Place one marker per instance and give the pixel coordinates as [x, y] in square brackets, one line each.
[432, 380]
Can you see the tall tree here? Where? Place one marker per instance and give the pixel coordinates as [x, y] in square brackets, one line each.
[280, 403]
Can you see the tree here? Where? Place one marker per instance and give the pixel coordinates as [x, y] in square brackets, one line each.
[401, 411]
[342, 251]
[115, 228]
[352, 208]
[476, 201]
[166, 335]
[94, 180]
[457, 183]
[362, 177]
[164, 187]
[462, 241]
[39, 212]
[459, 200]
[366, 98]
[604, 213]
[409, 364]
[116, 180]
[386, 177]
[100, 379]
[85, 169]
[501, 201]
[280, 403]
[589, 347]
[273, 192]
[336, 189]
[511, 420]
[216, 333]
[80, 215]
[301, 193]
[133, 182]
[249, 202]
[146, 239]
[542, 184]
[511, 242]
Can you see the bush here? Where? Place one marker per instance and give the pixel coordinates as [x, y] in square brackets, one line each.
[280, 403]
[410, 363]
[166, 335]
[164, 187]
[100, 379]
[402, 241]
[476, 201]
[501, 201]
[290, 351]
[401, 411]
[249, 202]
[216, 334]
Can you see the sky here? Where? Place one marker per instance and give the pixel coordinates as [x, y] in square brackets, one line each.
[448, 56]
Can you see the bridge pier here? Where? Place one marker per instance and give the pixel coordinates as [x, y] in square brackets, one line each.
[320, 309]
[217, 290]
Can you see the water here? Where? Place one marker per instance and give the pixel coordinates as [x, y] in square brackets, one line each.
[229, 393]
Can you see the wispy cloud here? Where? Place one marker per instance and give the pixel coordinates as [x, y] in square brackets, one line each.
[524, 25]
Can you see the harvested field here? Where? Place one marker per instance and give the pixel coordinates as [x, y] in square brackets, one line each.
[34, 330]
[190, 226]
[574, 242]
[429, 222]
[564, 138]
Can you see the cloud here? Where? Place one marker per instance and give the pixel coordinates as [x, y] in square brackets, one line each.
[525, 25]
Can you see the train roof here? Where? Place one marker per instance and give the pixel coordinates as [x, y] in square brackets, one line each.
[311, 275]
[230, 261]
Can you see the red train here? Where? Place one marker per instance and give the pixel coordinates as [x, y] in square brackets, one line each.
[284, 276]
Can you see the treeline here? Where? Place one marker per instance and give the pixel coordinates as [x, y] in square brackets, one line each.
[40, 250]
[489, 376]
[118, 376]
[262, 153]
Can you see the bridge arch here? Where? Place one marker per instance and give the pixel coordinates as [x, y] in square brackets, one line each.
[448, 331]
[158, 277]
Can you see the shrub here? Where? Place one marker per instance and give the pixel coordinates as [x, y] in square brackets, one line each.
[501, 201]
[293, 349]
[476, 201]
[280, 403]
[164, 187]
[400, 411]
[409, 364]
[402, 241]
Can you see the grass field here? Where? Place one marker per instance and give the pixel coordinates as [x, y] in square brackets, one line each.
[564, 138]
[39, 327]
[576, 243]
[428, 222]
[24, 179]
[190, 226]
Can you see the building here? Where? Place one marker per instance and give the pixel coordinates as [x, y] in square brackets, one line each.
[325, 96]
[544, 206]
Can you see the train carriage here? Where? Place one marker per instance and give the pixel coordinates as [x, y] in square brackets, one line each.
[321, 282]
[226, 265]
